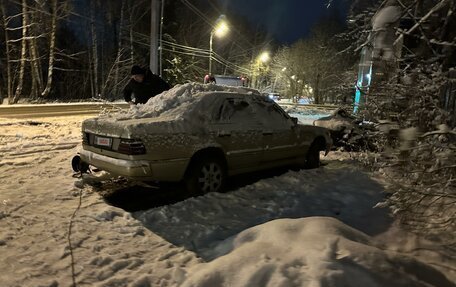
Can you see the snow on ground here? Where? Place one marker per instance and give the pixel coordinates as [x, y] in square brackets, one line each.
[312, 251]
[294, 229]
[307, 116]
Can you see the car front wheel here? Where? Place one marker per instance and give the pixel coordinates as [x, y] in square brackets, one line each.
[313, 157]
[206, 175]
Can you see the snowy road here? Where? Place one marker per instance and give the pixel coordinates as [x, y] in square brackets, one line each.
[61, 109]
[176, 241]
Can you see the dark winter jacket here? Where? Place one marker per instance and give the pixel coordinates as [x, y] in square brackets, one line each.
[142, 92]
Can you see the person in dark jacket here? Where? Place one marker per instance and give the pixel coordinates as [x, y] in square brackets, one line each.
[143, 85]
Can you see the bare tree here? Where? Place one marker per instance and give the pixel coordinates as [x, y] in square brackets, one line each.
[9, 84]
[119, 47]
[47, 90]
[410, 95]
[93, 29]
[311, 66]
[25, 24]
[35, 61]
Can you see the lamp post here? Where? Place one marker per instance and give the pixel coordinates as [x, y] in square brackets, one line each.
[220, 30]
[261, 60]
[276, 78]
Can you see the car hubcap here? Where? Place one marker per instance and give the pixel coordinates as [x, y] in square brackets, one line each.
[210, 178]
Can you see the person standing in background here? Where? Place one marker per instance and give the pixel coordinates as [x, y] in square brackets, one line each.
[143, 85]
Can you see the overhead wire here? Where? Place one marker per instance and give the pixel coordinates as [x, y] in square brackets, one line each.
[207, 20]
[180, 49]
[198, 12]
[193, 51]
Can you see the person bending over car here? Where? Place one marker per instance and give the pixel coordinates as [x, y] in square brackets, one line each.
[143, 85]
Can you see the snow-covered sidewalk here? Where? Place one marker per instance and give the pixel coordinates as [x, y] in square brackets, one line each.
[295, 229]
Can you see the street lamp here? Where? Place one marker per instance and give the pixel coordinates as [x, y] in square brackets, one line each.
[277, 77]
[220, 30]
[258, 65]
[264, 57]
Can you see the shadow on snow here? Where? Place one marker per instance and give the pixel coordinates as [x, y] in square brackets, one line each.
[200, 223]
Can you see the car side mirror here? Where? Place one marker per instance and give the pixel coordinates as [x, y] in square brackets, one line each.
[295, 120]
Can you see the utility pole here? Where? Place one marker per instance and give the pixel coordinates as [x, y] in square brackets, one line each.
[162, 16]
[154, 31]
[210, 53]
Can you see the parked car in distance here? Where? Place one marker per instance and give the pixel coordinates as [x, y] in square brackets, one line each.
[200, 134]
[274, 96]
[226, 80]
[349, 132]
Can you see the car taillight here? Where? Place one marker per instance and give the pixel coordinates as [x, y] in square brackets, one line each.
[85, 138]
[131, 147]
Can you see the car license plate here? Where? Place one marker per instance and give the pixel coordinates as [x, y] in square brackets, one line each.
[101, 141]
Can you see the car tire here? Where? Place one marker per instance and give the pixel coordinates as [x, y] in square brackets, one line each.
[206, 174]
[313, 157]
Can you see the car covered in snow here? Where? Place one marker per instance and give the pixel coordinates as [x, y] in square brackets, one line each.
[200, 134]
[349, 132]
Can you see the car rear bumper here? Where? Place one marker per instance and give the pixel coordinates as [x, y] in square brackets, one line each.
[143, 170]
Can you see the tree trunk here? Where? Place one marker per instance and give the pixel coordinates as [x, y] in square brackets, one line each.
[19, 87]
[37, 83]
[94, 49]
[35, 59]
[317, 90]
[9, 84]
[119, 49]
[47, 90]
[132, 55]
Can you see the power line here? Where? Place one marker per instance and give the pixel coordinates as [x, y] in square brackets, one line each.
[207, 20]
[198, 12]
[194, 51]
[184, 53]
[219, 59]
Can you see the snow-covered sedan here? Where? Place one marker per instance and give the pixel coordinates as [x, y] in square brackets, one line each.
[200, 134]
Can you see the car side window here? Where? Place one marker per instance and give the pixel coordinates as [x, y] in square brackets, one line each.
[271, 115]
[236, 111]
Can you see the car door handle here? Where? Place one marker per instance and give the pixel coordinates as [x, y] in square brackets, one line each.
[267, 133]
[224, 134]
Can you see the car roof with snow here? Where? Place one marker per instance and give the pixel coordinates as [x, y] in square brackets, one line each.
[181, 100]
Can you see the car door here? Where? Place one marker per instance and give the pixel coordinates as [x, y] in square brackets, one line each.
[279, 133]
[239, 132]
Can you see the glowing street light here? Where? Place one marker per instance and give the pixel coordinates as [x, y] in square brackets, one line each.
[264, 57]
[220, 30]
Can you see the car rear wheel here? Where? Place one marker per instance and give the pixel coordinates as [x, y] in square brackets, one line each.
[313, 156]
[206, 174]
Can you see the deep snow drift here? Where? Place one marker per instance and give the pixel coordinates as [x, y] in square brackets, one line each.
[313, 251]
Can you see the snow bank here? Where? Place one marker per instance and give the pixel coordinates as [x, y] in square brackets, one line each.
[307, 117]
[199, 224]
[316, 251]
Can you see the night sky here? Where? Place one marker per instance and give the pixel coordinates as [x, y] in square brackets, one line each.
[285, 20]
